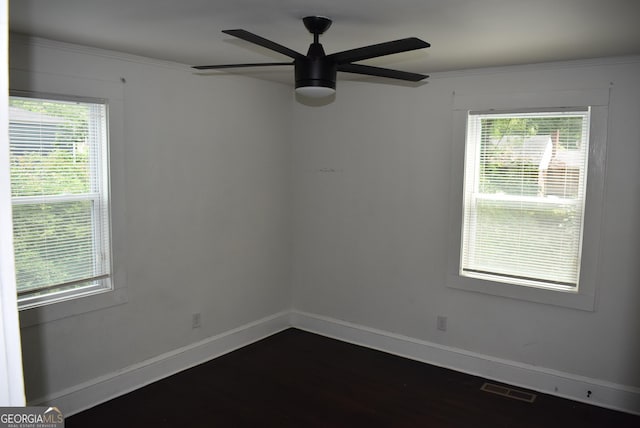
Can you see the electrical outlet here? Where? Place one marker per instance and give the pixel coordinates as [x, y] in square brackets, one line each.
[441, 323]
[196, 322]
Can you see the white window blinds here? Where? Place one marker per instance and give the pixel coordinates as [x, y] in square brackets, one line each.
[59, 186]
[524, 195]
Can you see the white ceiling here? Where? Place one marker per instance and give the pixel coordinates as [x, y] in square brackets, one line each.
[463, 33]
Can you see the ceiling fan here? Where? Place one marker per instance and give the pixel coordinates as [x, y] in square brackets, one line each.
[315, 72]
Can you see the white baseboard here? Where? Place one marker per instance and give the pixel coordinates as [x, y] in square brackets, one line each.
[99, 390]
[565, 385]
[96, 391]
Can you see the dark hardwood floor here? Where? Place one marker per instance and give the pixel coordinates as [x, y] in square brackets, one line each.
[298, 379]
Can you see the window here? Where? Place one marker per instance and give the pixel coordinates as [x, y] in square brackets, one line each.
[60, 198]
[527, 194]
[524, 197]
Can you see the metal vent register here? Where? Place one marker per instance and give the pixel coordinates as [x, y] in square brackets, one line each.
[508, 392]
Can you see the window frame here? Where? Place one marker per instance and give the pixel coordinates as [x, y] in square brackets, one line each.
[582, 297]
[99, 198]
[473, 196]
[48, 85]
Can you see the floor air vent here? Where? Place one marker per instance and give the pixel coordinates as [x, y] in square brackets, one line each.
[508, 392]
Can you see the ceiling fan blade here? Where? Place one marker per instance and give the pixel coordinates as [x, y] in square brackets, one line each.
[381, 72]
[261, 41]
[381, 49]
[261, 64]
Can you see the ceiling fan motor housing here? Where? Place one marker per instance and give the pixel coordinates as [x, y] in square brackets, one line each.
[315, 69]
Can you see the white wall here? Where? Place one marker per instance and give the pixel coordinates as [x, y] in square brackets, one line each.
[371, 204]
[201, 195]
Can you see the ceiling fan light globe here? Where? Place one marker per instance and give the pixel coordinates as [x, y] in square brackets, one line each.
[315, 91]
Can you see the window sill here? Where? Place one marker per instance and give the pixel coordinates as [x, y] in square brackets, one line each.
[68, 308]
[557, 297]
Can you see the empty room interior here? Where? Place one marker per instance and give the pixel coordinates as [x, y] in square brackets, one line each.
[467, 198]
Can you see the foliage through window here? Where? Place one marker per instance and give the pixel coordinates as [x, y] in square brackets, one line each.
[524, 196]
[59, 188]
